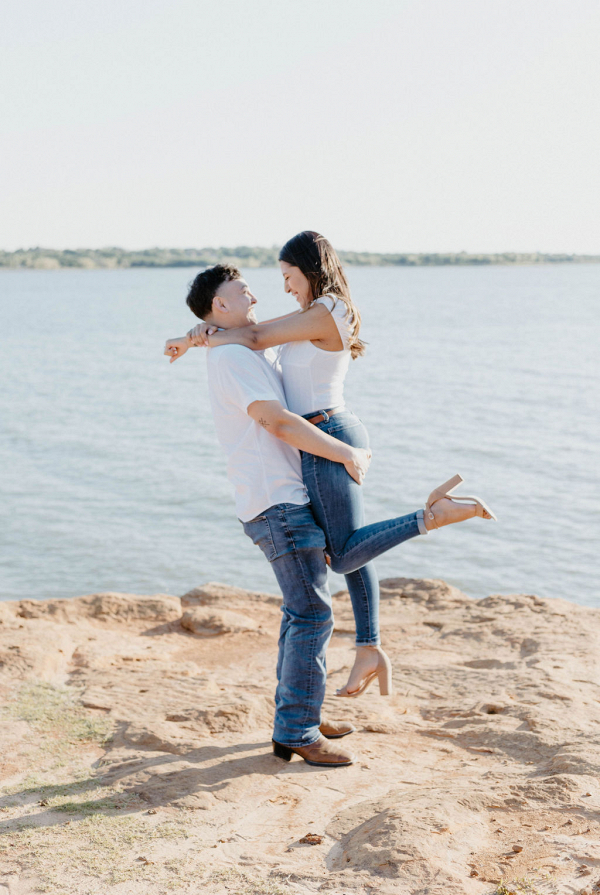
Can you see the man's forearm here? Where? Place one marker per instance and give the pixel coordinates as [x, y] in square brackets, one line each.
[301, 434]
[243, 335]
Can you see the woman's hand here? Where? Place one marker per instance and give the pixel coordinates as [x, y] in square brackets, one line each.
[176, 348]
[358, 464]
[198, 336]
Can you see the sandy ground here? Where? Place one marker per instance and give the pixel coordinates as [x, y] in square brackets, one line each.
[135, 749]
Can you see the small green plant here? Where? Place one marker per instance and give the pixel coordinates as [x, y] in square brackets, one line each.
[521, 886]
[246, 885]
[98, 846]
[54, 712]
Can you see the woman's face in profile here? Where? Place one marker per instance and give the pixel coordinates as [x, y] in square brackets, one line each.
[296, 283]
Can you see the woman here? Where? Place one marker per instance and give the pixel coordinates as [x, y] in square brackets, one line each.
[317, 343]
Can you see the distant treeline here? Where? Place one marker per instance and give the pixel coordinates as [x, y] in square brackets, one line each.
[253, 256]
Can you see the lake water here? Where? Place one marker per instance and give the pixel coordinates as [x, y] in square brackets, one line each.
[112, 477]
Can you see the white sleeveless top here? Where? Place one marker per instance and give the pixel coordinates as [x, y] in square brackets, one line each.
[313, 379]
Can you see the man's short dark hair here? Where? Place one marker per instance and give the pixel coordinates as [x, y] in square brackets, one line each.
[205, 286]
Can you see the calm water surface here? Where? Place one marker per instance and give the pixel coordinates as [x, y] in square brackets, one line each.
[112, 477]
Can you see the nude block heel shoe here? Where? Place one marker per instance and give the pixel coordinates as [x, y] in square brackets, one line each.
[445, 490]
[383, 672]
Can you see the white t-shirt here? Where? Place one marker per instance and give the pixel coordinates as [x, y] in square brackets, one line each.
[313, 379]
[263, 470]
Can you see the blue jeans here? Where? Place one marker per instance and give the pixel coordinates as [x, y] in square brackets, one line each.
[295, 546]
[337, 504]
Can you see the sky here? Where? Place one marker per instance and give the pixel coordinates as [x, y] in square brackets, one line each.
[387, 125]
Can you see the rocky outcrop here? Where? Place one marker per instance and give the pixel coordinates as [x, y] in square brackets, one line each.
[210, 623]
[105, 606]
[152, 716]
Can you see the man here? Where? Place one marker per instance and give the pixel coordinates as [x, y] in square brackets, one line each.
[261, 439]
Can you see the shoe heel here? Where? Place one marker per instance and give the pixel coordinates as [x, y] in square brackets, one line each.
[282, 751]
[438, 493]
[384, 676]
[451, 484]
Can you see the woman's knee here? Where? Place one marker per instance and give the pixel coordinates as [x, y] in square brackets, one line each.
[340, 565]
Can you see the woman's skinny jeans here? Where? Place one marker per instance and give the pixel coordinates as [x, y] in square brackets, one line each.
[337, 505]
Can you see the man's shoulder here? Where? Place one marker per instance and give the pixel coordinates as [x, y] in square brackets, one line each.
[238, 362]
[225, 353]
[224, 356]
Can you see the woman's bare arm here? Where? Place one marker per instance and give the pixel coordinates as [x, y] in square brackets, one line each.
[283, 317]
[314, 325]
[199, 334]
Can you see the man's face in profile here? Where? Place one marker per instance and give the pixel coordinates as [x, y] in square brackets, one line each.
[238, 304]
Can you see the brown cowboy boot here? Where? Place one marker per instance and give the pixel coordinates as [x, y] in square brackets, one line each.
[322, 754]
[333, 730]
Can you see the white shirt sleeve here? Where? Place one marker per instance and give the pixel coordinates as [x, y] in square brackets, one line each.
[339, 311]
[242, 377]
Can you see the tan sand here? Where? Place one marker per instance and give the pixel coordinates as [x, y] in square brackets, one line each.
[135, 749]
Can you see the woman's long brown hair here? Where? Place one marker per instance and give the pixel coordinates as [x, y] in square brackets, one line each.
[317, 259]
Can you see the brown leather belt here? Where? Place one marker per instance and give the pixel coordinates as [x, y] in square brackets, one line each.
[323, 415]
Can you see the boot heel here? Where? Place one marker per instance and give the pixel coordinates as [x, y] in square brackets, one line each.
[282, 751]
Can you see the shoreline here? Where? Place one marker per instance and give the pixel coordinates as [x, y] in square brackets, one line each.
[257, 257]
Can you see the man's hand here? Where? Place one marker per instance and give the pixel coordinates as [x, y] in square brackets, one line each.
[198, 336]
[358, 464]
[176, 348]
